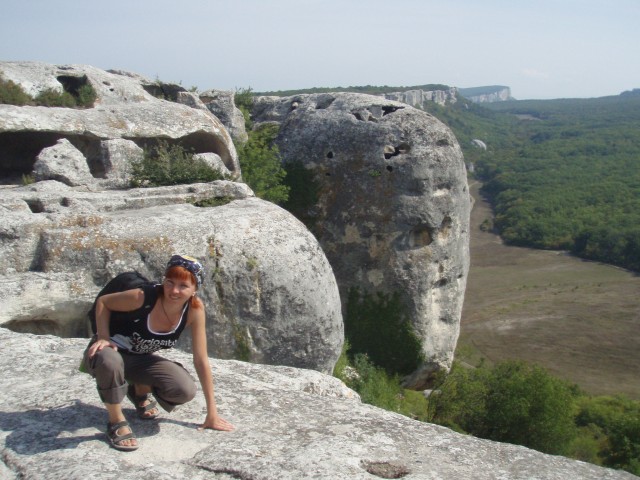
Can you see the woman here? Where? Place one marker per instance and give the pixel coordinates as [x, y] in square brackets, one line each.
[122, 358]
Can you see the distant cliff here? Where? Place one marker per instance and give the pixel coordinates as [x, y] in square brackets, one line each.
[489, 94]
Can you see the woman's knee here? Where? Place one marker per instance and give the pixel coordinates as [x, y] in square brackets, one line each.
[108, 360]
[181, 389]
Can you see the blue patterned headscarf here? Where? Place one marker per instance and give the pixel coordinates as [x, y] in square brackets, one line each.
[190, 263]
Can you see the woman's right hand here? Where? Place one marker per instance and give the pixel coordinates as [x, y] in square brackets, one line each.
[99, 345]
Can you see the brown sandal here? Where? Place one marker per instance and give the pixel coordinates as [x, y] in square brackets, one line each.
[137, 401]
[115, 438]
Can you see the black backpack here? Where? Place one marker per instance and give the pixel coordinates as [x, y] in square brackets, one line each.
[120, 283]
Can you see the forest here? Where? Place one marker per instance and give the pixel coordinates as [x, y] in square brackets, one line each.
[560, 174]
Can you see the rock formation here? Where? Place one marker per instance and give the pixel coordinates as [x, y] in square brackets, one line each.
[392, 206]
[418, 98]
[271, 295]
[290, 424]
[222, 104]
[124, 109]
[489, 94]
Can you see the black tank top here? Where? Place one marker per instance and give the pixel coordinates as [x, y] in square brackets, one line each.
[131, 330]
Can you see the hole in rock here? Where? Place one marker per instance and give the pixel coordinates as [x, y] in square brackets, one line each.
[35, 205]
[420, 236]
[386, 469]
[330, 154]
[324, 102]
[389, 168]
[443, 142]
[166, 91]
[390, 109]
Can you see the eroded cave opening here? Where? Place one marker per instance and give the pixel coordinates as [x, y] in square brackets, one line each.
[165, 91]
[19, 150]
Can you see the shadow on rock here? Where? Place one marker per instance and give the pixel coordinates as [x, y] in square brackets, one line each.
[38, 431]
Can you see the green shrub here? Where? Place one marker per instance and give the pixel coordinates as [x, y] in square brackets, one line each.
[243, 99]
[528, 406]
[86, 96]
[53, 98]
[618, 418]
[261, 165]
[378, 325]
[12, 94]
[212, 202]
[459, 402]
[166, 164]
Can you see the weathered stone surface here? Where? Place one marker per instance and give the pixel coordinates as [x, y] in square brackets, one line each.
[270, 293]
[124, 109]
[116, 157]
[62, 162]
[214, 161]
[392, 211]
[221, 103]
[290, 424]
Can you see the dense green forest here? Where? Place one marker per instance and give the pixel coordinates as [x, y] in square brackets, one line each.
[561, 174]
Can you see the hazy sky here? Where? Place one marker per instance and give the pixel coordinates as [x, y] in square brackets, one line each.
[539, 48]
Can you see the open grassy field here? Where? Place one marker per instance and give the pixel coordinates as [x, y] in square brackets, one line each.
[578, 319]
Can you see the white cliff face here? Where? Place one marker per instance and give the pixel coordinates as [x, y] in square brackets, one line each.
[418, 98]
[393, 205]
[291, 424]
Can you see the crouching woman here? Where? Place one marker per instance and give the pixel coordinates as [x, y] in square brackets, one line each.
[123, 358]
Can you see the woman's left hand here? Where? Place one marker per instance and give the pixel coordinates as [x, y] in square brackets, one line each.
[216, 423]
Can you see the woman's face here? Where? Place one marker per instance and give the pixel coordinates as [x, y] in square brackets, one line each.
[177, 290]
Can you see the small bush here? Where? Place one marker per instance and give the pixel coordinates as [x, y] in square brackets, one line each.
[212, 202]
[53, 98]
[12, 94]
[243, 99]
[86, 96]
[261, 165]
[171, 165]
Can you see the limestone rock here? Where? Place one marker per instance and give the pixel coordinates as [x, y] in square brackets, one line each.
[290, 424]
[270, 293]
[418, 98]
[214, 161]
[62, 162]
[116, 157]
[126, 107]
[222, 104]
[392, 207]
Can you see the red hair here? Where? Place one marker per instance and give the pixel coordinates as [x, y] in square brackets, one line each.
[181, 274]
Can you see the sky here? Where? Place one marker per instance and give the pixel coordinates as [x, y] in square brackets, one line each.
[541, 49]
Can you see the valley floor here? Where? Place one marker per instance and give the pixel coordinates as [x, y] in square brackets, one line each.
[579, 319]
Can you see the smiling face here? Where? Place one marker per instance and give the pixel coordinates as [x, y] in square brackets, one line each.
[178, 285]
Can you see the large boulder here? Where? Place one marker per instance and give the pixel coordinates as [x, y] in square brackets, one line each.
[127, 107]
[391, 208]
[290, 424]
[270, 292]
